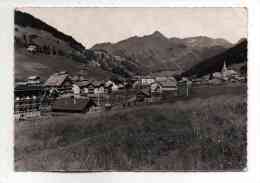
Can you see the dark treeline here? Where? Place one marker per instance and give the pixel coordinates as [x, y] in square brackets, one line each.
[25, 19]
[234, 55]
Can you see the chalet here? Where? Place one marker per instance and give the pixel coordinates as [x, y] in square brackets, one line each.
[156, 88]
[109, 83]
[164, 84]
[72, 104]
[84, 86]
[110, 86]
[27, 100]
[169, 85]
[136, 78]
[77, 78]
[23, 90]
[218, 75]
[225, 75]
[32, 48]
[161, 78]
[76, 89]
[121, 86]
[147, 80]
[184, 87]
[136, 84]
[60, 81]
[33, 80]
[99, 87]
[231, 75]
[93, 89]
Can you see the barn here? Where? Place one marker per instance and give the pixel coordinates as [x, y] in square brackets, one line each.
[73, 105]
[60, 81]
[27, 100]
[184, 87]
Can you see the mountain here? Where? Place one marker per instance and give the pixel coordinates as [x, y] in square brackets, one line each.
[42, 50]
[157, 52]
[31, 30]
[54, 51]
[235, 57]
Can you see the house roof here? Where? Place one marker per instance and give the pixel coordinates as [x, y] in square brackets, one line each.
[33, 77]
[148, 77]
[75, 78]
[83, 83]
[63, 72]
[109, 83]
[161, 78]
[69, 104]
[97, 83]
[168, 83]
[27, 88]
[87, 83]
[56, 79]
[67, 95]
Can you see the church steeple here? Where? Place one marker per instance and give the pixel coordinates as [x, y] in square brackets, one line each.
[224, 68]
[224, 71]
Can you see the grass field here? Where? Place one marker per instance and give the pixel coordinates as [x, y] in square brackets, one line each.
[199, 134]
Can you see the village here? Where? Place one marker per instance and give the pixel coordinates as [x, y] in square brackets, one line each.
[112, 95]
[66, 93]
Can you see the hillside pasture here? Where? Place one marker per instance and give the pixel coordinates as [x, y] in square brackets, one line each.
[27, 64]
[198, 134]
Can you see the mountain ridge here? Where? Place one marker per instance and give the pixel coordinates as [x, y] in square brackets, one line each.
[134, 55]
[27, 20]
[53, 49]
[232, 56]
[156, 51]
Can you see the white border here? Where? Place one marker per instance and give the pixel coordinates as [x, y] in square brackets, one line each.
[6, 123]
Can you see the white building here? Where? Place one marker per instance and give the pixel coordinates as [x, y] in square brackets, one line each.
[33, 80]
[32, 48]
[147, 80]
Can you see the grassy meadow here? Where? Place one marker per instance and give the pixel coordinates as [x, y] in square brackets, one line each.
[198, 134]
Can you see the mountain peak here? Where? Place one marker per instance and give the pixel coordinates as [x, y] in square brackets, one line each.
[157, 34]
[241, 40]
[204, 41]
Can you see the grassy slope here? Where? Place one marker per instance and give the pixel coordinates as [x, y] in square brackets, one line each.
[27, 64]
[200, 134]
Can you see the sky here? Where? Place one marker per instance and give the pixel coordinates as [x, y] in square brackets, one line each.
[96, 25]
